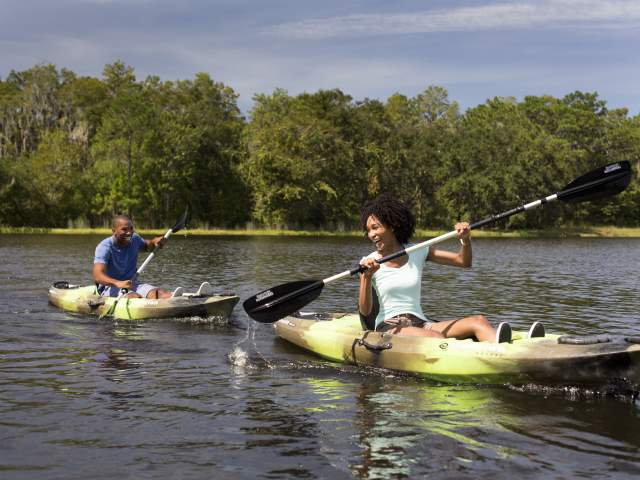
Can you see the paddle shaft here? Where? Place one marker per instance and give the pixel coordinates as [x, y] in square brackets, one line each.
[446, 236]
[148, 259]
[568, 193]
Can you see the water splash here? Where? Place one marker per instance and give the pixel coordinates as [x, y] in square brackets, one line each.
[239, 357]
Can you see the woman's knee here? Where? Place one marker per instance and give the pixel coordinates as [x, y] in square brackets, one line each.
[153, 294]
[480, 320]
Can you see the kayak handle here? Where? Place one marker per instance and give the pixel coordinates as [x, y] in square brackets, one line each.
[373, 347]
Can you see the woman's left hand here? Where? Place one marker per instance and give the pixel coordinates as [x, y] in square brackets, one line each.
[463, 230]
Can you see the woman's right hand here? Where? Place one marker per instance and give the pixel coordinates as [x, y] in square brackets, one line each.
[371, 267]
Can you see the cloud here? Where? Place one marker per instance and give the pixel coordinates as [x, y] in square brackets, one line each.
[517, 55]
[500, 16]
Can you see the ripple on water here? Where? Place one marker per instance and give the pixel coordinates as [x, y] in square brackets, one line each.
[83, 398]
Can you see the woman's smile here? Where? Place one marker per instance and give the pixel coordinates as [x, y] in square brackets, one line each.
[380, 235]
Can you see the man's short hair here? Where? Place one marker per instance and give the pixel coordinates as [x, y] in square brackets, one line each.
[118, 218]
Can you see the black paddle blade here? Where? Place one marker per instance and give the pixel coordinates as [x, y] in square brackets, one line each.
[275, 303]
[182, 221]
[600, 183]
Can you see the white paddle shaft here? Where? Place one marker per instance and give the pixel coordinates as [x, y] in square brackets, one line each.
[443, 237]
[151, 255]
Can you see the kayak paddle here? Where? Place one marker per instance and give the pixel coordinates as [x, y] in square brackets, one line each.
[277, 302]
[180, 224]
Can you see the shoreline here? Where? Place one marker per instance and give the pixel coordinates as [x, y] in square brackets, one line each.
[569, 232]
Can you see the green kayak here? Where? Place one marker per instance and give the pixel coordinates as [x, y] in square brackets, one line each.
[78, 299]
[552, 359]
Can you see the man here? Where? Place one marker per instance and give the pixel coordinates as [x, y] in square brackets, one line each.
[114, 265]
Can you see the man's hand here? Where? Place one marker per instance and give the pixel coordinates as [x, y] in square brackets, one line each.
[123, 284]
[158, 241]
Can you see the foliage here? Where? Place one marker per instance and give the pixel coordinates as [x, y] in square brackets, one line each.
[76, 150]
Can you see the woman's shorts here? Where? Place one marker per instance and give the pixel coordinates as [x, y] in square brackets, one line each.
[401, 321]
[141, 289]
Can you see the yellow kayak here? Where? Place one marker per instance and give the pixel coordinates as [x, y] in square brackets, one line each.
[85, 299]
[552, 359]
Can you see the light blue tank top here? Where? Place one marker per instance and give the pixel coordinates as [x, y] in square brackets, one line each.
[399, 289]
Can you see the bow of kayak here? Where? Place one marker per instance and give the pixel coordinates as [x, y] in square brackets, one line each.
[524, 360]
[85, 300]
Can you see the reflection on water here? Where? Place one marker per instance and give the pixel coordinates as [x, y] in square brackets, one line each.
[84, 398]
[406, 429]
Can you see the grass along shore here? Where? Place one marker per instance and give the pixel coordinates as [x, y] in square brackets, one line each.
[568, 232]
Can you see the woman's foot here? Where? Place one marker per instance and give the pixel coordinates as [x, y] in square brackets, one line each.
[503, 333]
[536, 330]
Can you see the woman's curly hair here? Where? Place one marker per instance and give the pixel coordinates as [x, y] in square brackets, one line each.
[392, 213]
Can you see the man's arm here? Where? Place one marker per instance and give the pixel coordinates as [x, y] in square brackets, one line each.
[154, 242]
[100, 276]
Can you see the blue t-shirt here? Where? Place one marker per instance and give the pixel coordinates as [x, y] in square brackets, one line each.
[399, 289]
[120, 261]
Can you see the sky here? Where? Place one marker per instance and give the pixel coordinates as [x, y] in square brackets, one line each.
[477, 50]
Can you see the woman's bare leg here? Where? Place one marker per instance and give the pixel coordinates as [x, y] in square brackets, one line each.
[474, 326]
[416, 332]
[158, 293]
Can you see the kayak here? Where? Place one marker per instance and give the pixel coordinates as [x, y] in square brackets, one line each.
[553, 359]
[85, 299]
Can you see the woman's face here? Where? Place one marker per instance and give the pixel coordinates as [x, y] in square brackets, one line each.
[382, 236]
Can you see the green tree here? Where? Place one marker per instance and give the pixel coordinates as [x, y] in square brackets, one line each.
[58, 190]
[301, 162]
[202, 147]
[123, 143]
[500, 159]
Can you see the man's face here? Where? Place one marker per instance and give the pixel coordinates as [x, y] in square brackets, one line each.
[122, 231]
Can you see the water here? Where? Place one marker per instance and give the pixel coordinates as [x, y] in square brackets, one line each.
[82, 398]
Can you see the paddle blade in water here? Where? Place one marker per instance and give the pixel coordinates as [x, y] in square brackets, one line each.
[600, 183]
[277, 302]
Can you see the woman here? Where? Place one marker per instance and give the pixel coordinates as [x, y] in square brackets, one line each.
[389, 299]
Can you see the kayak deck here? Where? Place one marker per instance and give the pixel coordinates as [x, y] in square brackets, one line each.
[539, 360]
[84, 299]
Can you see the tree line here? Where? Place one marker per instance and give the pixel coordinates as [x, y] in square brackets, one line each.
[76, 150]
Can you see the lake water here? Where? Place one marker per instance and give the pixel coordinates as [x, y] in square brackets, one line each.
[84, 398]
